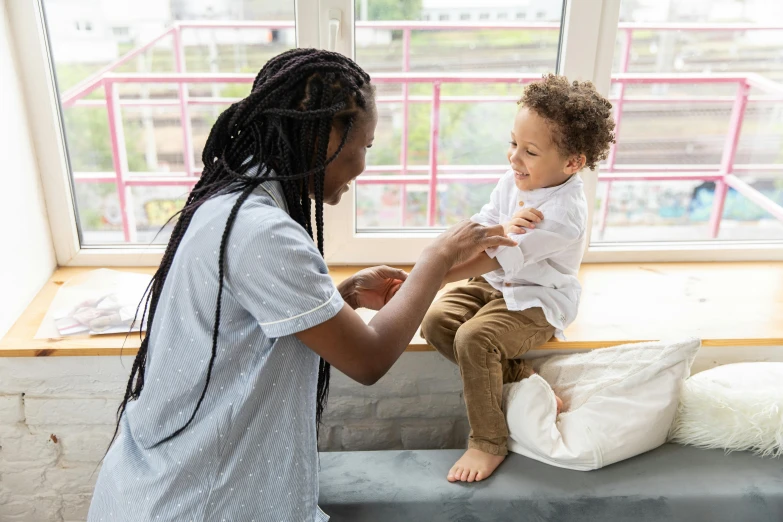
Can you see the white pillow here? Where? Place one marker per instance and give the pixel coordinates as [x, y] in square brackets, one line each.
[619, 402]
[737, 407]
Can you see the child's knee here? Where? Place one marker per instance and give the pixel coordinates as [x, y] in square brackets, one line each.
[473, 337]
[435, 328]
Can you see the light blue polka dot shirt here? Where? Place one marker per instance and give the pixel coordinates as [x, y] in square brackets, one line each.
[250, 454]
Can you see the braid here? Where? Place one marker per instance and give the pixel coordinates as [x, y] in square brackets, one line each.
[282, 126]
[319, 211]
[221, 269]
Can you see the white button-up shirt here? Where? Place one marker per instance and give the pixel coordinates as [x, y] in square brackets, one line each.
[542, 271]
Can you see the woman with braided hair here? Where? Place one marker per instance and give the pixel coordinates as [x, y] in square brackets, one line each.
[219, 418]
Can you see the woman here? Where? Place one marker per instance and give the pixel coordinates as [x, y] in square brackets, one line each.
[219, 418]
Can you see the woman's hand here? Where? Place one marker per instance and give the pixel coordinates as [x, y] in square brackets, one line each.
[465, 240]
[372, 287]
[365, 352]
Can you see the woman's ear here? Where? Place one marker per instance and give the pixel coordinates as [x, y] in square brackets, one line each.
[575, 164]
[335, 137]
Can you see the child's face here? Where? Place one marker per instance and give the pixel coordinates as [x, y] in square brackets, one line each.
[534, 156]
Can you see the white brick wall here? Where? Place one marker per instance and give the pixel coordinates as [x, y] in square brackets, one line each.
[56, 419]
[417, 405]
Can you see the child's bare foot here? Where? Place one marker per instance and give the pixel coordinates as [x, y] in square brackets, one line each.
[557, 399]
[474, 465]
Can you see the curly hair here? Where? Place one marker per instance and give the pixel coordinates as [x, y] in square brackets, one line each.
[580, 118]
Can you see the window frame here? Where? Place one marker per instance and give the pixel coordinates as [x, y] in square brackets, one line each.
[588, 32]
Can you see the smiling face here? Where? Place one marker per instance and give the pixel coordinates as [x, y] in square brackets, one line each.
[351, 161]
[534, 156]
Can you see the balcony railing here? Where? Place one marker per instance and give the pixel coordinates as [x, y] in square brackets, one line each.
[724, 174]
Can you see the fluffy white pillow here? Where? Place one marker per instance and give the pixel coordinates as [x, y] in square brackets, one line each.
[737, 407]
[619, 402]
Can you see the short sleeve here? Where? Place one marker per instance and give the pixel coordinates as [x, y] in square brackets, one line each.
[277, 274]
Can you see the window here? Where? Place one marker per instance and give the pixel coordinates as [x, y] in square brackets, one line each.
[699, 153]
[135, 148]
[82, 25]
[454, 179]
[697, 87]
[502, 15]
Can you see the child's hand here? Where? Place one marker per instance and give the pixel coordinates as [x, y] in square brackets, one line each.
[372, 287]
[522, 219]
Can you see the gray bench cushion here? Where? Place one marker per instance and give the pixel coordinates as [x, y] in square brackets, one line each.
[671, 483]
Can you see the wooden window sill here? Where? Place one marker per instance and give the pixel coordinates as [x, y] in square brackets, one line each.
[725, 304]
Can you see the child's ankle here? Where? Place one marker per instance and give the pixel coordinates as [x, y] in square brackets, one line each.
[499, 450]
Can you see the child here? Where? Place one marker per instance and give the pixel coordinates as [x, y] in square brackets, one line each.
[530, 292]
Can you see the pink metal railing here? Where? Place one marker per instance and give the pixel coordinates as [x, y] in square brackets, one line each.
[618, 118]
[119, 158]
[187, 130]
[722, 174]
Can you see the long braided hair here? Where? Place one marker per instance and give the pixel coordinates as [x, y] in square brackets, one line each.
[284, 126]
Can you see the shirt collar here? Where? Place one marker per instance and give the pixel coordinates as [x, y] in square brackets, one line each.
[270, 187]
[275, 190]
[539, 195]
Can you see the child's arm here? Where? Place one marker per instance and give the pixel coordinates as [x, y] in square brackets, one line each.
[482, 263]
[552, 235]
[479, 265]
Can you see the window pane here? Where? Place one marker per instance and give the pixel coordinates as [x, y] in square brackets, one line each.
[128, 201]
[428, 187]
[702, 109]
[681, 210]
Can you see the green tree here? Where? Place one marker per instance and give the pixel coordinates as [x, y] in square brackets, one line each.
[379, 10]
[89, 143]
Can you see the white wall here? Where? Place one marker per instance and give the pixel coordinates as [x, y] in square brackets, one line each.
[27, 255]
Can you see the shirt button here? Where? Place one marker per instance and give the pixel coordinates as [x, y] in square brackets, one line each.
[521, 203]
[507, 284]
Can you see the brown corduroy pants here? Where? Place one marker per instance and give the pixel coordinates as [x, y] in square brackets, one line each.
[472, 327]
